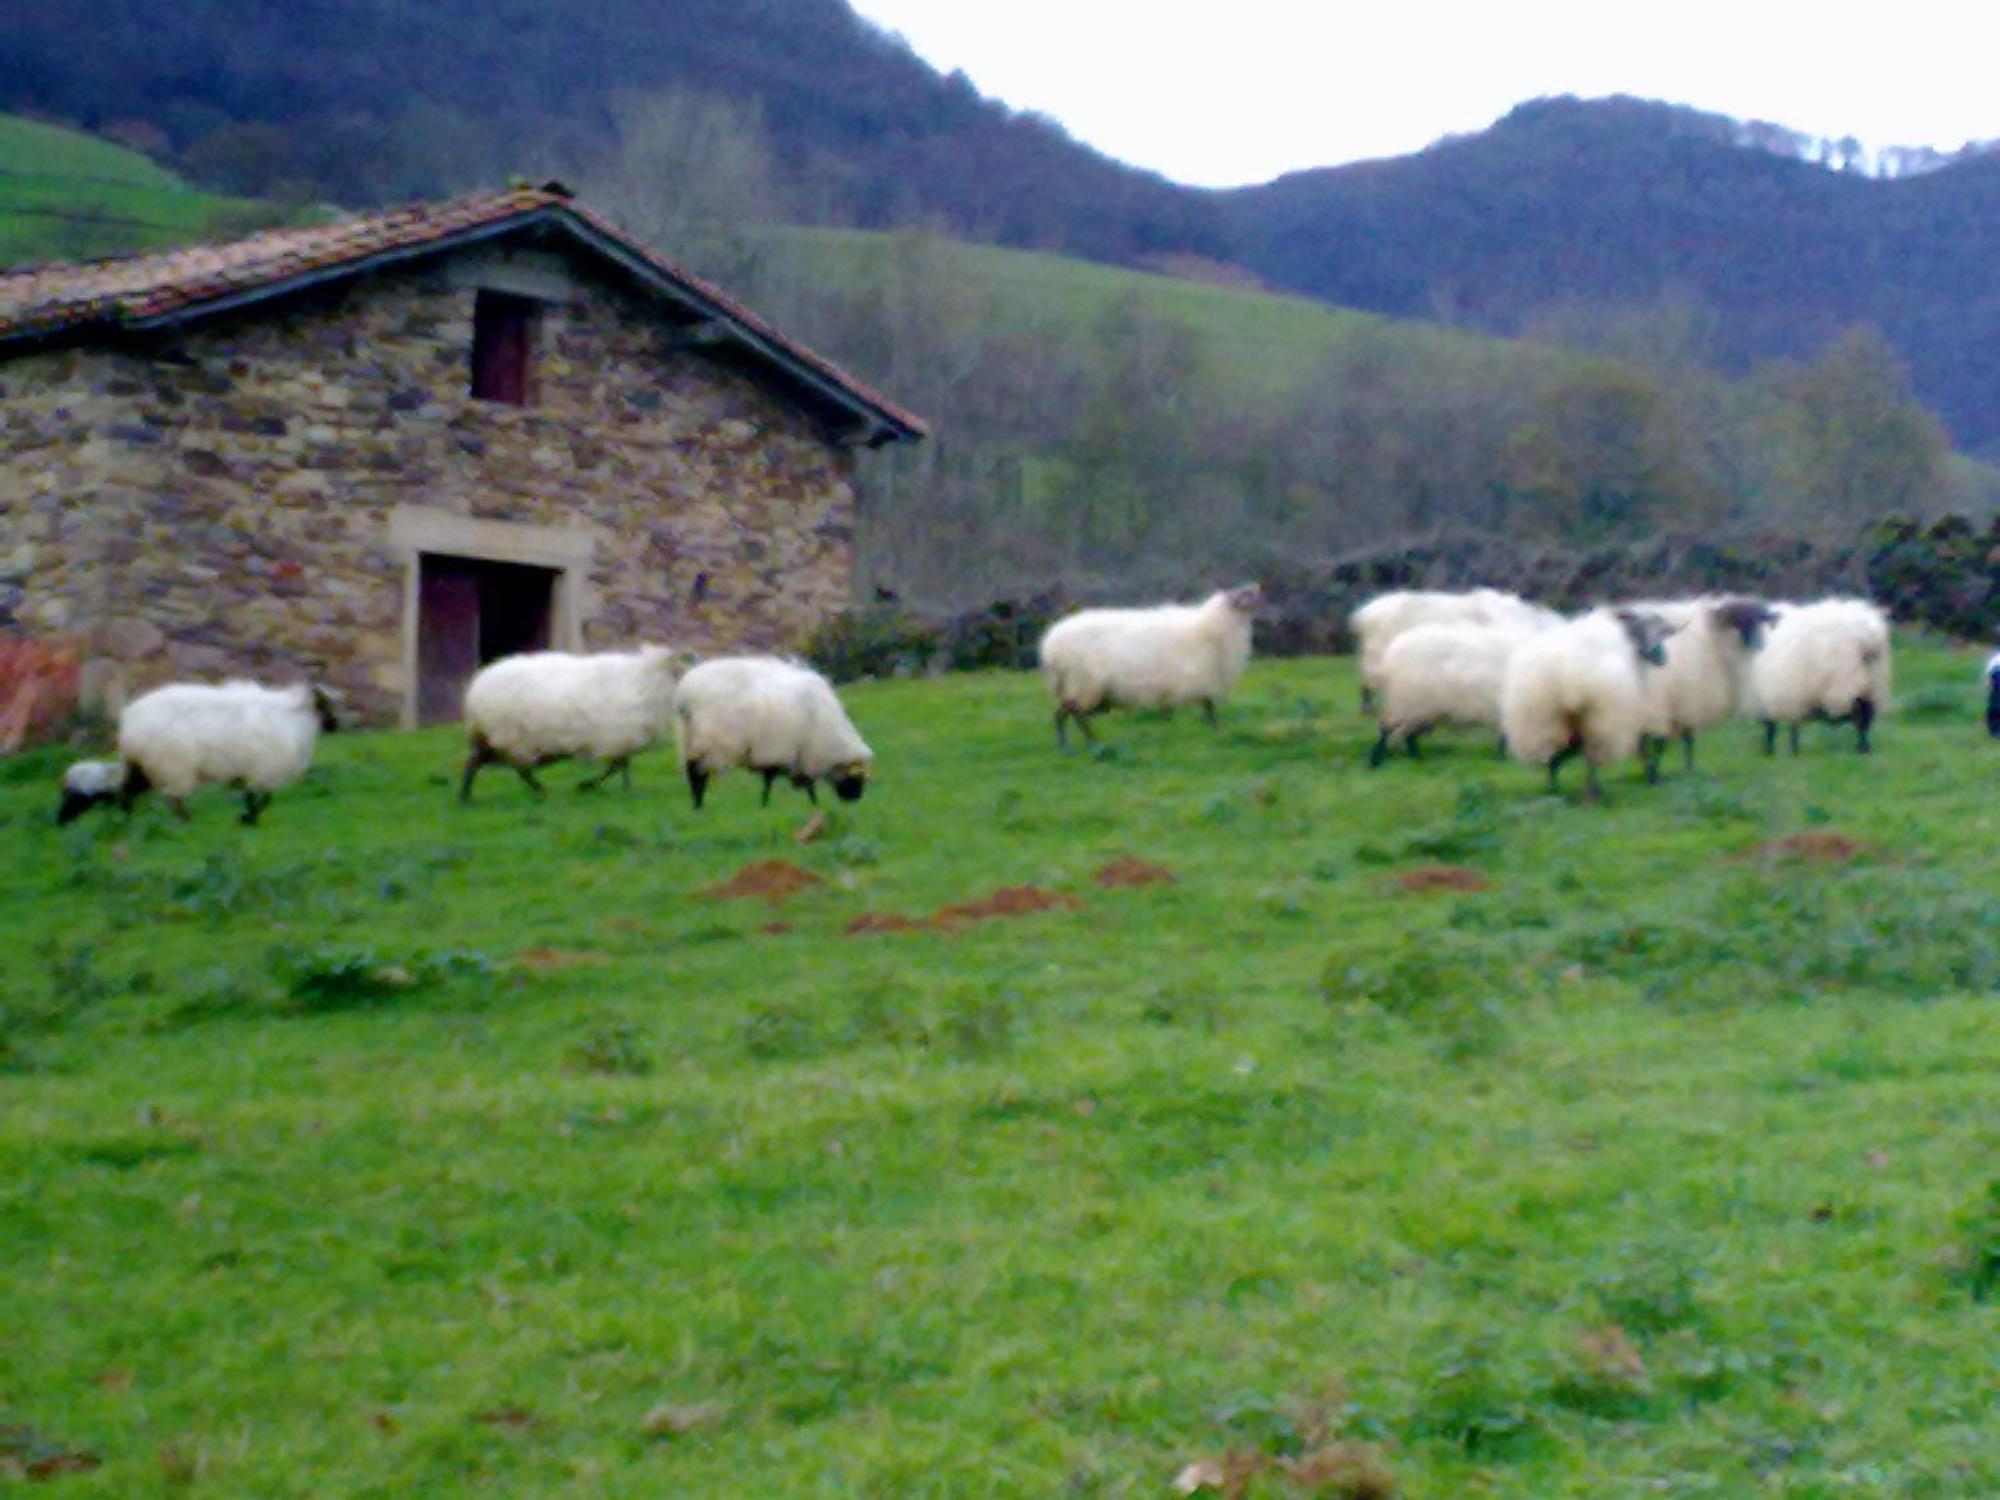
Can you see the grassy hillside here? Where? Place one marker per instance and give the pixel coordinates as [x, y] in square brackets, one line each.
[396, 1147]
[69, 196]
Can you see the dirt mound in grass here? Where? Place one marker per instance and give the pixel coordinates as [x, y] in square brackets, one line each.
[542, 960]
[880, 921]
[1442, 878]
[1007, 901]
[771, 879]
[1126, 870]
[1819, 846]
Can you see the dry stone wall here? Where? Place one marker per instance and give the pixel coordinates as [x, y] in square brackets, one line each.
[221, 504]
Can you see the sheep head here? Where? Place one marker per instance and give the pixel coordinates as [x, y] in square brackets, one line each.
[1749, 618]
[86, 785]
[326, 703]
[1648, 634]
[1246, 600]
[849, 781]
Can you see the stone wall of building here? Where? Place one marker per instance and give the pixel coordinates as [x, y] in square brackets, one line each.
[222, 504]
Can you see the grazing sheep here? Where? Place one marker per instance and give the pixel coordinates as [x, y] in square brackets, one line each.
[1827, 660]
[1376, 624]
[1993, 695]
[88, 784]
[1437, 674]
[771, 716]
[1703, 681]
[255, 738]
[540, 707]
[1578, 688]
[1160, 657]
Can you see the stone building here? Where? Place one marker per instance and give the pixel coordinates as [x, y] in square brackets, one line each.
[386, 450]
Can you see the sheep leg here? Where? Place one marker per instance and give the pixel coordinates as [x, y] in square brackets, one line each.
[625, 773]
[611, 769]
[1500, 747]
[481, 754]
[1410, 741]
[180, 807]
[1082, 720]
[807, 785]
[1770, 736]
[1062, 727]
[697, 783]
[254, 803]
[1687, 747]
[1381, 751]
[1864, 715]
[1208, 712]
[770, 776]
[1593, 790]
[135, 785]
[1794, 737]
[1652, 749]
[527, 773]
[1555, 764]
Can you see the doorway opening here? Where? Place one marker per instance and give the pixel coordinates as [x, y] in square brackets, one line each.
[471, 612]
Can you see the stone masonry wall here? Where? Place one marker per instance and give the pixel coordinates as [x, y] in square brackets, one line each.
[224, 509]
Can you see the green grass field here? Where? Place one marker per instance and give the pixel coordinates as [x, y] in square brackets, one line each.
[69, 196]
[399, 1148]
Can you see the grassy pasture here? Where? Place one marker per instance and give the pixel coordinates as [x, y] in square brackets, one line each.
[68, 196]
[398, 1148]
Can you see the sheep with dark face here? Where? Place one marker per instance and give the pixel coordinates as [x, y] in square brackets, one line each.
[88, 784]
[186, 735]
[1828, 660]
[1579, 689]
[1704, 680]
[1158, 657]
[775, 717]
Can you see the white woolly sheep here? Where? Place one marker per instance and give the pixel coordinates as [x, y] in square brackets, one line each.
[1703, 681]
[775, 717]
[1443, 674]
[540, 707]
[1576, 688]
[1158, 657]
[1827, 660]
[1376, 624]
[88, 784]
[182, 736]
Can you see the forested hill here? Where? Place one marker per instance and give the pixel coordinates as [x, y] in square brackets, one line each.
[1565, 211]
[368, 101]
[1571, 220]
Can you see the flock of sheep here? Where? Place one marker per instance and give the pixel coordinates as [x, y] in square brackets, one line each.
[1608, 684]
[772, 716]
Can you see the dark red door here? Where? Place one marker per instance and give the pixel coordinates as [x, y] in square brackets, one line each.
[447, 636]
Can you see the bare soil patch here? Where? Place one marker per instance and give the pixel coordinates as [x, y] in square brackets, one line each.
[1819, 846]
[1007, 901]
[880, 921]
[772, 880]
[1442, 878]
[542, 960]
[1128, 870]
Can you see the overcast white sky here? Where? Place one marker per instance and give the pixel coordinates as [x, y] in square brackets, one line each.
[1241, 91]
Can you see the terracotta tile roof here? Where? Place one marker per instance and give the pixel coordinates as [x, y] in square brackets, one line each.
[69, 301]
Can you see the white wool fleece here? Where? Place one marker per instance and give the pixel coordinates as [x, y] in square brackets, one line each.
[1821, 658]
[765, 713]
[1167, 655]
[1579, 681]
[1445, 674]
[545, 705]
[1378, 624]
[187, 734]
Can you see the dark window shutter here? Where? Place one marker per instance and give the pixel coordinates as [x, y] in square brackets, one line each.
[503, 346]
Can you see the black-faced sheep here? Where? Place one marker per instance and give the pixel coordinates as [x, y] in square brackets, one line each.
[771, 716]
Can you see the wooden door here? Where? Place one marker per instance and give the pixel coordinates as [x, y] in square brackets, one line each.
[447, 636]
